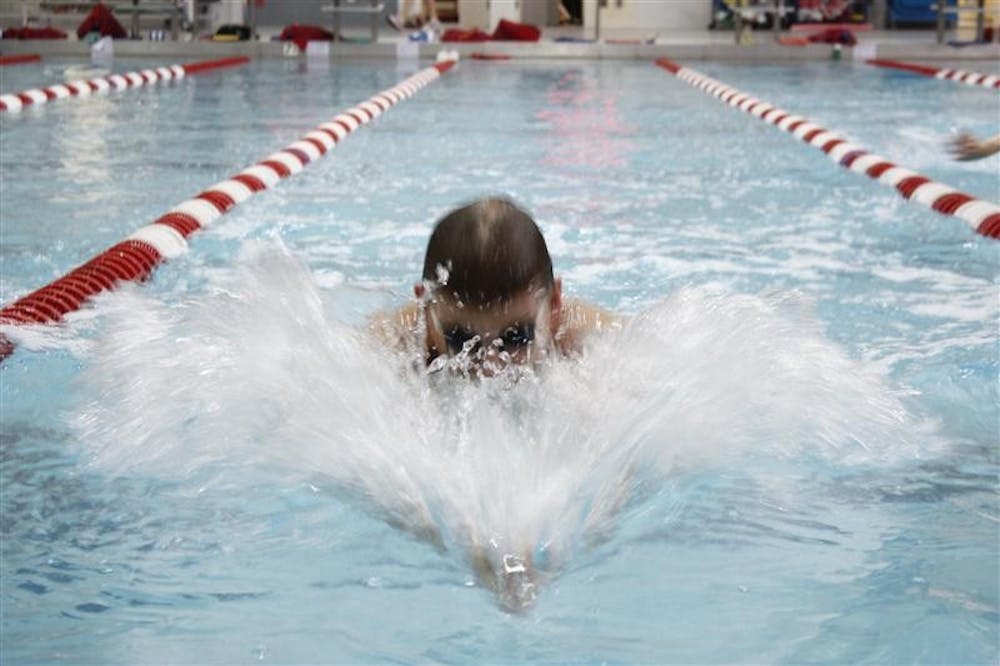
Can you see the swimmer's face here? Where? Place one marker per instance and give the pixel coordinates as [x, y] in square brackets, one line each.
[519, 330]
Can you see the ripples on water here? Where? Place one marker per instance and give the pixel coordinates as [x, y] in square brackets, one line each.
[257, 380]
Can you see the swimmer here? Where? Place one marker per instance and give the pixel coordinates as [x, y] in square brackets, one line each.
[489, 295]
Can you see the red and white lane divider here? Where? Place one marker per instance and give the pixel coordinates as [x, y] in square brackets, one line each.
[17, 101]
[135, 257]
[961, 76]
[983, 216]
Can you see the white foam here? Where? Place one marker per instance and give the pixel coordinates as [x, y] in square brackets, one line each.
[255, 378]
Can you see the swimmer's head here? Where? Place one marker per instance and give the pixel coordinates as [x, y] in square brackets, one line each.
[487, 252]
[489, 286]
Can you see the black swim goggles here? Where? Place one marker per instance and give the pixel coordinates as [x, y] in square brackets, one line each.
[462, 339]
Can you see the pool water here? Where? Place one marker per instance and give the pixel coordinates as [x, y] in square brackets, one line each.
[788, 454]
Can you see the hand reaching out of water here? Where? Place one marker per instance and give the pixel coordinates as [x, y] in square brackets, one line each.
[966, 147]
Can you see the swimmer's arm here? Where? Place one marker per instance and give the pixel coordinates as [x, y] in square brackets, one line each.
[395, 328]
[966, 147]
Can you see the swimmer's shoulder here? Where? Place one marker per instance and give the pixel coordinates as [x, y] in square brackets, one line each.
[396, 328]
[580, 319]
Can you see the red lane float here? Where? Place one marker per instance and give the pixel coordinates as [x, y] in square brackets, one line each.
[983, 216]
[19, 59]
[136, 257]
[17, 101]
[961, 76]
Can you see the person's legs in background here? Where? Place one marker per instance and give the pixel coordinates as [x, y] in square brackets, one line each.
[407, 18]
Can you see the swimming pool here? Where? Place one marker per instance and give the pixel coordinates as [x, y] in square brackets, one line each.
[211, 468]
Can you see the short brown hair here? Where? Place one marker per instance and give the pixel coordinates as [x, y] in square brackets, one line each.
[492, 251]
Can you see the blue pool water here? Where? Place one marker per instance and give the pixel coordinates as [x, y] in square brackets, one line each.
[788, 455]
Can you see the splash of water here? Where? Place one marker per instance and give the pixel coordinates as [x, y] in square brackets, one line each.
[509, 472]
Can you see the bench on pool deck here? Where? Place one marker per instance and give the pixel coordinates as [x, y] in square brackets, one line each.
[372, 8]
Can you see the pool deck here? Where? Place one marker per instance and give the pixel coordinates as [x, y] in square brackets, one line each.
[912, 45]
